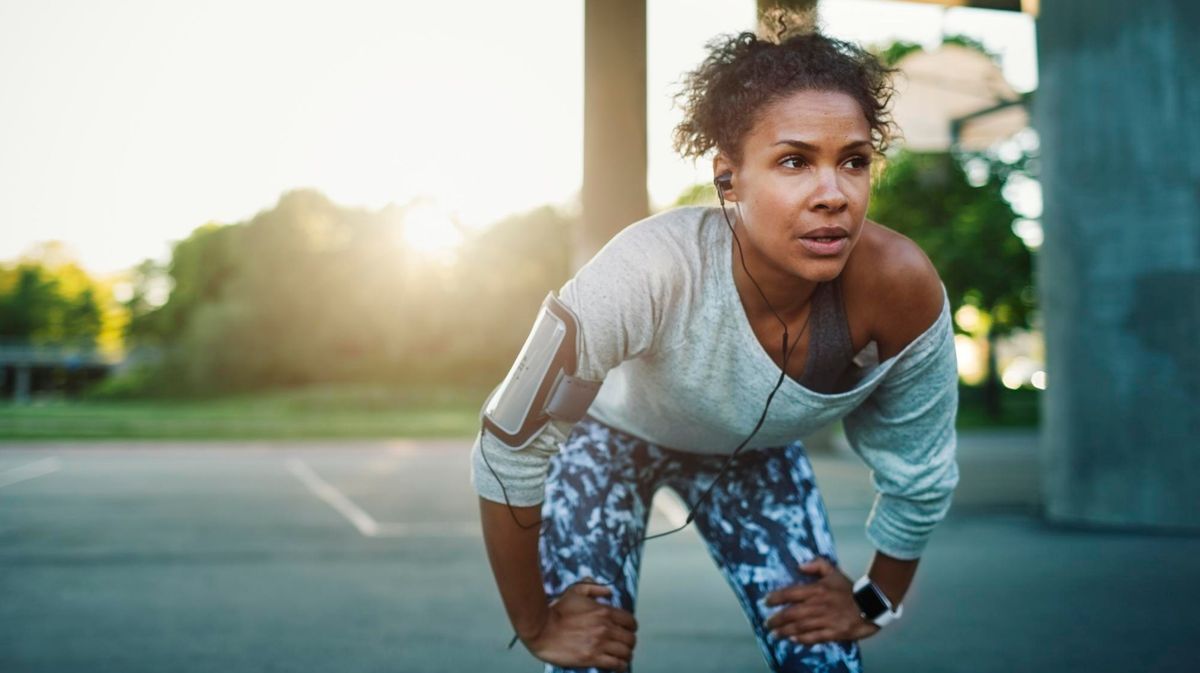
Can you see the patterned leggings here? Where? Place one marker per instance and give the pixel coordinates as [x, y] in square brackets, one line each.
[763, 519]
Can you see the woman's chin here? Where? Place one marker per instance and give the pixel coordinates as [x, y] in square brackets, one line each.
[818, 270]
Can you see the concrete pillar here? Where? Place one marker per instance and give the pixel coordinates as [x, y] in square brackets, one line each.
[1117, 109]
[614, 122]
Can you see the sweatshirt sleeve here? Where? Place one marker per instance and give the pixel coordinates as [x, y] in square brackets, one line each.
[904, 431]
[621, 299]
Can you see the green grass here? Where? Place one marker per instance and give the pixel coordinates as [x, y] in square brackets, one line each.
[350, 411]
[310, 412]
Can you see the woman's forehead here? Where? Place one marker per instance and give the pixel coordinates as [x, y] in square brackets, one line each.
[812, 117]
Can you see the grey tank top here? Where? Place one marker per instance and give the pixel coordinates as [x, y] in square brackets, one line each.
[830, 349]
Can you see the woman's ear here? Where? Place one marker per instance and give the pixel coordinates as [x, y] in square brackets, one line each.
[723, 178]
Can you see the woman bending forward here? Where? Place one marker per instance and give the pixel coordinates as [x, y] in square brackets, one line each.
[682, 317]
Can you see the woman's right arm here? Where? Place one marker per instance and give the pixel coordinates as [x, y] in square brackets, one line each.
[620, 299]
[575, 630]
[513, 554]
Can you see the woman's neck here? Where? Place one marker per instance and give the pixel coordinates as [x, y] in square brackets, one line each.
[789, 295]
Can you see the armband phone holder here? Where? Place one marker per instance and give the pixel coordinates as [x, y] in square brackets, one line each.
[541, 386]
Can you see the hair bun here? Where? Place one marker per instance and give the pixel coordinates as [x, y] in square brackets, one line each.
[778, 23]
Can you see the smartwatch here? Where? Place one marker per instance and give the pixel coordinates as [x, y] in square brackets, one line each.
[873, 605]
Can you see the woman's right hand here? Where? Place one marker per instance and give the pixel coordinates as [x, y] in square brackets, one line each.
[581, 632]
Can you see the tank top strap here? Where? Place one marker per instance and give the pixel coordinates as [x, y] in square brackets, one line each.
[830, 348]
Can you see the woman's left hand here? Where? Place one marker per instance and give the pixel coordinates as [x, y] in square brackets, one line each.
[821, 611]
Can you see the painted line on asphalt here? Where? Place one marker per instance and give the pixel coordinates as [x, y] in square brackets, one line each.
[37, 468]
[363, 521]
[333, 497]
[668, 503]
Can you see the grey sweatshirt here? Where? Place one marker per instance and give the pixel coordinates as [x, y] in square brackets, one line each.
[662, 325]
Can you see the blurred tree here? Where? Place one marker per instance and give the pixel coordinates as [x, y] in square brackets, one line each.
[44, 304]
[201, 268]
[504, 273]
[28, 302]
[929, 198]
[310, 291]
[702, 194]
[967, 233]
[82, 317]
[149, 284]
[892, 53]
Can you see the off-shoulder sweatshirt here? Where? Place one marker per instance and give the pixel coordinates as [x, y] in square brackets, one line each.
[662, 325]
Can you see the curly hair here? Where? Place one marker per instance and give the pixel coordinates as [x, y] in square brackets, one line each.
[742, 74]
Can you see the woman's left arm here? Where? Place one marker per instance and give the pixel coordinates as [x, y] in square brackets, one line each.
[905, 432]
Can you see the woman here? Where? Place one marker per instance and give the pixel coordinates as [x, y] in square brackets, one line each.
[694, 319]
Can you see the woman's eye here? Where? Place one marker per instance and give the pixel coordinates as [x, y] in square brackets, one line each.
[859, 162]
[794, 162]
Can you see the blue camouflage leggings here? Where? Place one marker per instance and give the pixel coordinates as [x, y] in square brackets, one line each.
[762, 520]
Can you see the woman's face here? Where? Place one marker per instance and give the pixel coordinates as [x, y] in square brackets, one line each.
[805, 167]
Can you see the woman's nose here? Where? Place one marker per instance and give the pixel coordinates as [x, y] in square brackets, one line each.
[829, 195]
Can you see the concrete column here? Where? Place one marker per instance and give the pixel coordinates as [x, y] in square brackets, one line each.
[1117, 109]
[614, 122]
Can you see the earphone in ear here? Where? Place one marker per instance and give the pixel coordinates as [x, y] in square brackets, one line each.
[724, 183]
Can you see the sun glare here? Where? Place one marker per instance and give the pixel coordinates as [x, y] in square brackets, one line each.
[430, 231]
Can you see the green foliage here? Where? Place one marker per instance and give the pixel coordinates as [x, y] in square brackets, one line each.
[503, 276]
[702, 194]
[894, 52]
[131, 383]
[43, 304]
[201, 267]
[27, 305]
[965, 230]
[971, 43]
[312, 292]
[143, 326]
[897, 50]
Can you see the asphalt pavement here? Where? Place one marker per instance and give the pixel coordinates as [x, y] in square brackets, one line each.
[366, 556]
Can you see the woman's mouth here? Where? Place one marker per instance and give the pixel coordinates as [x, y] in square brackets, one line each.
[824, 245]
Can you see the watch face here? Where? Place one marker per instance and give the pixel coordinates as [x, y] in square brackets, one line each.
[869, 602]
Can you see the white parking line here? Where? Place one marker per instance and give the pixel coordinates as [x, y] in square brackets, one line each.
[334, 498]
[668, 504]
[29, 471]
[364, 522]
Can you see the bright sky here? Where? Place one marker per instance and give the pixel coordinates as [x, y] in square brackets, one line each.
[127, 124]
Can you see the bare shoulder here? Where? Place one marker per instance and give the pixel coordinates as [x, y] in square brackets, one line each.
[897, 286]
